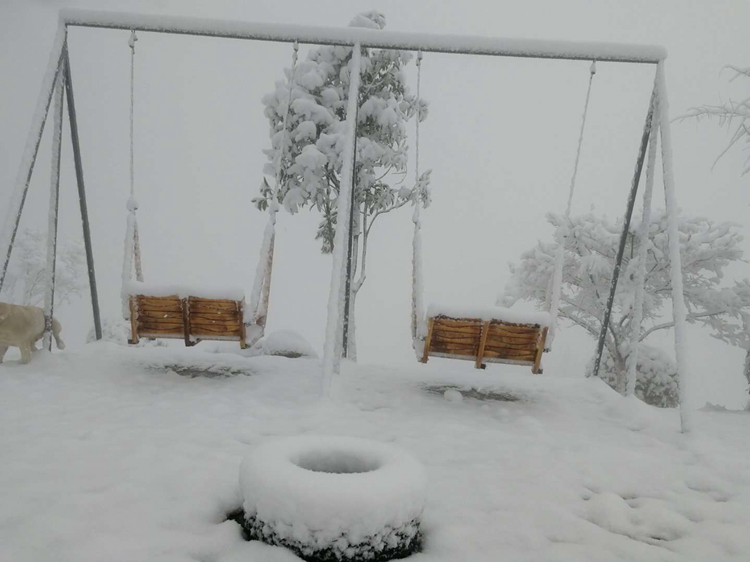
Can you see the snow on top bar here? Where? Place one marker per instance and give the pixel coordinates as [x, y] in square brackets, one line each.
[463, 44]
[488, 313]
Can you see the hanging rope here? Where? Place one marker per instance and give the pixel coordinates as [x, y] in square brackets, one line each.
[131, 44]
[132, 253]
[260, 296]
[564, 228]
[417, 296]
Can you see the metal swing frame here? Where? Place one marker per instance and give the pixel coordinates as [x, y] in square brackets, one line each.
[58, 75]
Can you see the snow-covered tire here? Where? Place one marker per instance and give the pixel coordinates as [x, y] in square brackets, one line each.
[334, 498]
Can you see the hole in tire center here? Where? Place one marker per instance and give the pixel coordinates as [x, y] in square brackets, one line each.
[336, 462]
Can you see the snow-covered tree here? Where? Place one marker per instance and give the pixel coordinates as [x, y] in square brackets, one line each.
[313, 143]
[25, 280]
[735, 115]
[707, 248]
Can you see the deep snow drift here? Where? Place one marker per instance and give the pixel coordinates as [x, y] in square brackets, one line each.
[109, 454]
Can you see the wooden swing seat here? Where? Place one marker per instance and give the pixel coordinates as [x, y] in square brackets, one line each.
[485, 341]
[192, 319]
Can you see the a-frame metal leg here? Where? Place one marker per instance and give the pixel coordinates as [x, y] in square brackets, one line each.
[73, 122]
[21, 189]
[678, 296]
[54, 205]
[625, 230]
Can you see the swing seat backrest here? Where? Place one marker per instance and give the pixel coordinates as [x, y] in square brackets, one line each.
[192, 319]
[485, 341]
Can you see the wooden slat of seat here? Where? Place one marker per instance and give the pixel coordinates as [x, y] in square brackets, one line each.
[523, 355]
[496, 326]
[216, 327]
[159, 314]
[212, 305]
[161, 328]
[452, 338]
[171, 303]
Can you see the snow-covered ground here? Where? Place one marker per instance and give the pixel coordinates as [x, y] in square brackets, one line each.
[109, 454]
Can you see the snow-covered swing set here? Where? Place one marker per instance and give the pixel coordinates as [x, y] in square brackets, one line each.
[431, 328]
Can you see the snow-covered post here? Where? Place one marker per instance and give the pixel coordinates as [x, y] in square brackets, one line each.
[21, 187]
[640, 279]
[338, 267]
[678, 298]
[54, 200]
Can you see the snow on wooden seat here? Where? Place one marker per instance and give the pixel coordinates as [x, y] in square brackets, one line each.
[175, 312]
[486, 335]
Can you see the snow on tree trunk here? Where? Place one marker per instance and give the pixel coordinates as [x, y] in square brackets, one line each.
[678, 299]
[54, 199]
[21, 186]
[338, 266]
[640, 280]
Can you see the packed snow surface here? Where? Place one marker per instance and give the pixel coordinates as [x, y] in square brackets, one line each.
[183, 291]
[109, 454]
[490, 313]
[327, 490]
[286, 343]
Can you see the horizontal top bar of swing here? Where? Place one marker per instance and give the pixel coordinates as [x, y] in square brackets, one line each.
[456, 44]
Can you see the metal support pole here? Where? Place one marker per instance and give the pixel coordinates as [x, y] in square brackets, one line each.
[73, 123]
[338, 268]
[679, 310]
[625, 230]
[640, 275]
[54, 205]
[21, 189]
[350, 250]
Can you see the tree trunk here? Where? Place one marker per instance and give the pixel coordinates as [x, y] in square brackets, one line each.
[621, 370]
[353, 326]
[747, 369]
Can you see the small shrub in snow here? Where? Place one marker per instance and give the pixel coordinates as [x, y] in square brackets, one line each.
[656, 376]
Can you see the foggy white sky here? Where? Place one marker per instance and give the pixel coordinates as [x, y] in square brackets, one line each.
[500, 138]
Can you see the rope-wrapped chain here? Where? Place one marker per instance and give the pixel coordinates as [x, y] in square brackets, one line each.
[564, 230]
[417, 304]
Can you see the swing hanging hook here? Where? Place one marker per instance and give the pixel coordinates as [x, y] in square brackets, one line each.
[132, 40]
[593, 67]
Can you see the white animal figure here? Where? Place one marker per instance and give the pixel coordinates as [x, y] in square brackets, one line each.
[22, 327]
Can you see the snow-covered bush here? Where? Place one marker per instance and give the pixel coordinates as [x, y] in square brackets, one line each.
[656, 376]
[285, 343]
[707, 248]
[27, 270]
[334, 499]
